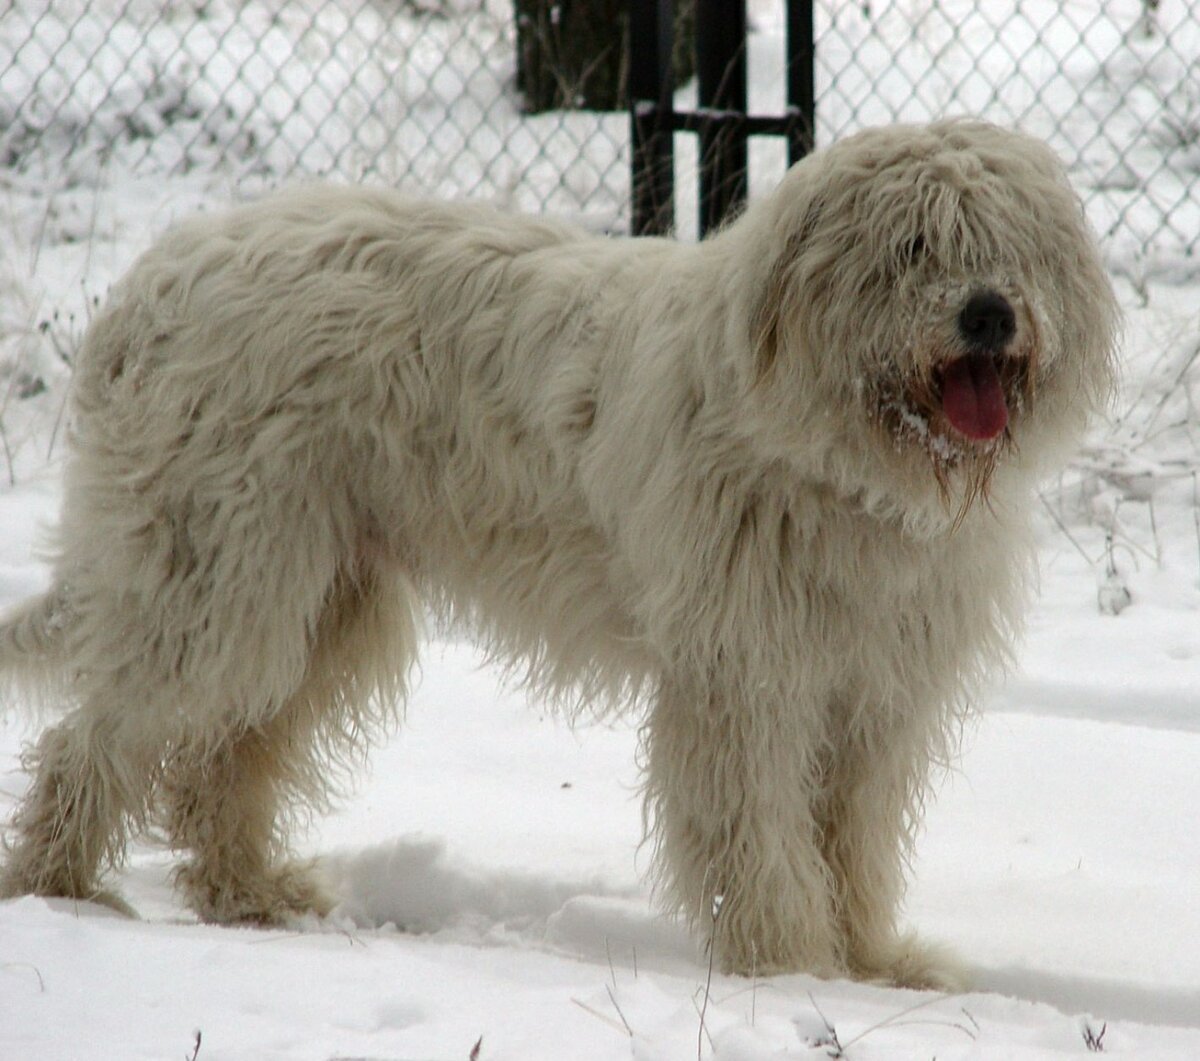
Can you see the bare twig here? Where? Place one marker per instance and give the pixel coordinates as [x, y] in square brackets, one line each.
[1092, 1039]
[1171, 388]
[831, 1043]
[717, 902]
[754, 987]
[1196, 515]
[600, 1016]
[1066, 533]
[617, 1006]
[703, 1027]
[27, 965]
[8, 454]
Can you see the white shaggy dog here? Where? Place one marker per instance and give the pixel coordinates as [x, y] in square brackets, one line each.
[775, 485]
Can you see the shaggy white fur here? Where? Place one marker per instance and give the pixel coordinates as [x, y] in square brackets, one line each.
[775, 485]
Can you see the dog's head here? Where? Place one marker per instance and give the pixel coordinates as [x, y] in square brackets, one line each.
[940, 285]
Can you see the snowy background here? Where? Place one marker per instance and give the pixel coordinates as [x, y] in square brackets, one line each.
[489, 867]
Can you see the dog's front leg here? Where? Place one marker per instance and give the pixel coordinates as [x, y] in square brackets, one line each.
[733, 788]
[874, 793]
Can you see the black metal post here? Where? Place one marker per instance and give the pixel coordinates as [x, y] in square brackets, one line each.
[651, 28]
[801, 79]
[721, 71]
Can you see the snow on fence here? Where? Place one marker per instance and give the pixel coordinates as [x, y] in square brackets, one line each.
[422, 93]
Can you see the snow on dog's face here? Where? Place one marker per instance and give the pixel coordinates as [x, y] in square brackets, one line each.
[941, 284]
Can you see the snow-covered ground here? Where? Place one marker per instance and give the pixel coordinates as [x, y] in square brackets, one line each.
[489, 869]
[1060, 860]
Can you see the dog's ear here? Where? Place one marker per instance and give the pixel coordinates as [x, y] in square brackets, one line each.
[777, 296]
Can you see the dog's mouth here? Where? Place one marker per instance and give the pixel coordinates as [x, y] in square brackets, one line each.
[972, 396]
[962, 395]
[964, 405]
[965, 391]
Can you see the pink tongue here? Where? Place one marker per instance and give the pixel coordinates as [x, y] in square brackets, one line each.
[973, 397]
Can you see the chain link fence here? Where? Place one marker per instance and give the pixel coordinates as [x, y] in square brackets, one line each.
[421, 94]
[1114, 86]
[415, 94]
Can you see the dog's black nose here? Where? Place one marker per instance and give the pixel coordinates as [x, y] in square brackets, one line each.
[987, 322]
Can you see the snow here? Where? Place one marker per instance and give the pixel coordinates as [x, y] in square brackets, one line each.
[488, 864]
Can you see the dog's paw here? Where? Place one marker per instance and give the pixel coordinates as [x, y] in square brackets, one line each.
[910, 962]
[281, 895]
[17, 879]
[113, 901]
[304, 891]
[13, 886]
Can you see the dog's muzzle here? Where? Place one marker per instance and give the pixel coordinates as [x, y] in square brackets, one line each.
[972, 391]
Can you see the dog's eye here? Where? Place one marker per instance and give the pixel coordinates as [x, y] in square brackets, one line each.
[906, 255]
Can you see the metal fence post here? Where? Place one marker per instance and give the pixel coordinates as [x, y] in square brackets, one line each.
[721, 71]
[801, 79]
[651, 28]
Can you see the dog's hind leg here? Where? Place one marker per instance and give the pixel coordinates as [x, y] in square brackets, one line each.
[92, 779]
[222, 808]
[227, 805]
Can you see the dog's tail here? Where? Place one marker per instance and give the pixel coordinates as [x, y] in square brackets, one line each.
[33, 646]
